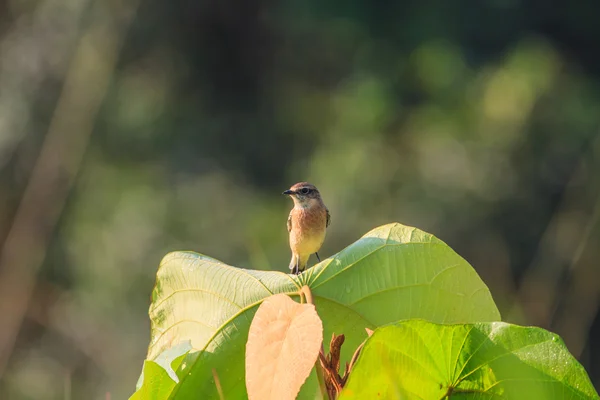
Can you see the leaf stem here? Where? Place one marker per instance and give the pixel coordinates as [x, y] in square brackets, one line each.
[307, 294]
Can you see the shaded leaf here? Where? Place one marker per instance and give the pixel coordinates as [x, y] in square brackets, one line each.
[422, 360]
[283, 344]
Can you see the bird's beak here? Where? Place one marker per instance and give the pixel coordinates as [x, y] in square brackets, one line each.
[288, 192]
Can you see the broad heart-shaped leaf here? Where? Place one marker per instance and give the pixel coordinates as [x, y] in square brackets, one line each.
[283, 344]
[417, 359]
[393, 272]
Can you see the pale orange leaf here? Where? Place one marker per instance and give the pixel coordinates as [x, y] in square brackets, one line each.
[283, 344]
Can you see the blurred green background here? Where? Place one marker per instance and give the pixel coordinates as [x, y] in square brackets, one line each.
[131, 128]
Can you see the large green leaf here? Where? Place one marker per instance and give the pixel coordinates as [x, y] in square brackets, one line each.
[393, 272]
[422, 360]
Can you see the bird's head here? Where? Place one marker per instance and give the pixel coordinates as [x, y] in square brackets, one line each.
[304, 194]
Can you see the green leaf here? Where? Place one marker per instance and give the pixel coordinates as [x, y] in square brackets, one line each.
[422, 360]
[393, 272]
[158, 377]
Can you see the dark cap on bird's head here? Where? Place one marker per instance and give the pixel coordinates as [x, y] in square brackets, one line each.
[303, 189]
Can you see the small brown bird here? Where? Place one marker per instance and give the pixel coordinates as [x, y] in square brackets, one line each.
[306, 224]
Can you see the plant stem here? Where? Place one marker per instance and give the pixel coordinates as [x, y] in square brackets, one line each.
[218, 384]
[307, 294]
[321, 378]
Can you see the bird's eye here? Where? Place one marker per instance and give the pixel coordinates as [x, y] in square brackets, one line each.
[305, 190]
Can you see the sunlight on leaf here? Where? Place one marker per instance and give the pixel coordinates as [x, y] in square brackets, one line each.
[421, 360]
[393, 272]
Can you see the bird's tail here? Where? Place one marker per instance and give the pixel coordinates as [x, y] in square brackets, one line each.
[298, 264]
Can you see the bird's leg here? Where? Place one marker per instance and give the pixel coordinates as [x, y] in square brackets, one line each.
[318, 258]
[297, 269]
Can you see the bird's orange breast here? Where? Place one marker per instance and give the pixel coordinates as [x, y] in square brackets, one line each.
[308, 229]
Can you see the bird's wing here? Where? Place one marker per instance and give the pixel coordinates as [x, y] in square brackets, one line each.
[289, 222]
[328, 218]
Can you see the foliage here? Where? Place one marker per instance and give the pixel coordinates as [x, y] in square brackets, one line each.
[421, 360]
[393, 272]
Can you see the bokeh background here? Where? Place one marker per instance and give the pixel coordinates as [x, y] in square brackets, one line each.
[131, 128]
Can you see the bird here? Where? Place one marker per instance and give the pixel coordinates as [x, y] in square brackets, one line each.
[306, 224]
